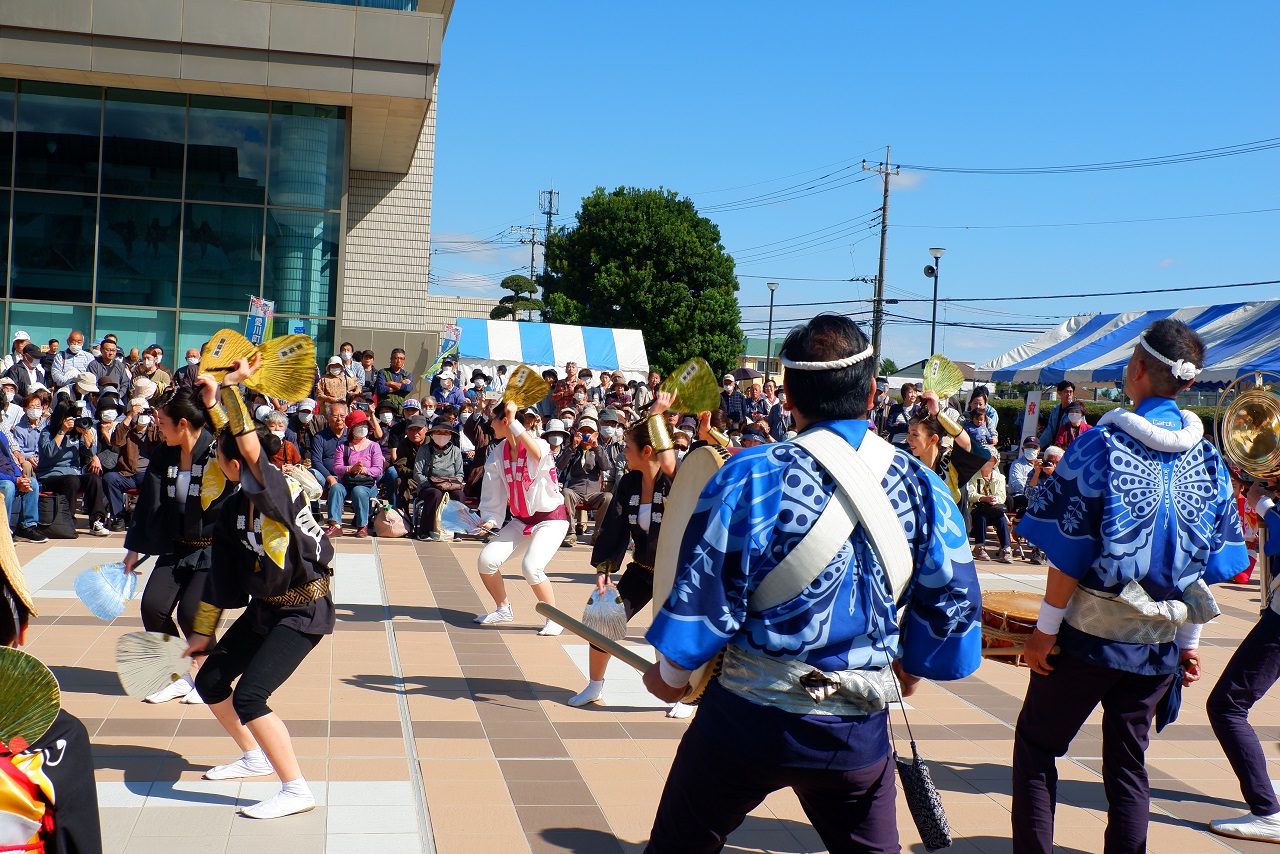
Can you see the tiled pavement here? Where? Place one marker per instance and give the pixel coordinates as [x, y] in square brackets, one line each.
[422, 732]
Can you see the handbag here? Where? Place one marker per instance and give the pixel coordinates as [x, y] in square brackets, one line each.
[446, 484]
[56, 521]
[390, 522]
[350, 479]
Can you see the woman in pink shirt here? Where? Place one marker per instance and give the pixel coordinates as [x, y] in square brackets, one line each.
[358, 464]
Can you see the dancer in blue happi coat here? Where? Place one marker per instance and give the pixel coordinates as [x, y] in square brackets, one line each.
[801, 701]
[1137, 520]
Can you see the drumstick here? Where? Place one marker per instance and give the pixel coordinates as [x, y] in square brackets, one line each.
[617, 650]
[988, 652]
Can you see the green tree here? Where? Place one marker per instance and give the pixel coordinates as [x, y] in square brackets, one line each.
[522, 299]
[888, 366]
[645, 259]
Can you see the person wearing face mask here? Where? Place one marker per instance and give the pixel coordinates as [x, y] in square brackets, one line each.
[580, 469]
[370, 382]
[1020, 472]
[357, 465]
[732, 403]
[335, 386]
[134, 439]
[185, 377]
[384, 429]
[1073, 426]
[406, 453]
[150, 367]
[612, 442]
[477, 431]
[27, 370]
[350, 363]
[479, 385]
[71, 362]
[10, 411]
[448, 393]
[305, 425]
[21, 493]
[68, 465]
[288, 456]
[437, 471]
[26, 433]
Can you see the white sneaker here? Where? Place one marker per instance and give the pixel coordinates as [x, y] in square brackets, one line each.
[1263, 828]
[280, 804]
[679, 710]
[246, 766]
[551, 629]
[593, 693]
[501, 615]
[99, 530]
[193, 698]
[175, 690]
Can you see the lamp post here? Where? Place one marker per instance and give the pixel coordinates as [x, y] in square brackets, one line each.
[931, 270]
[768, 347]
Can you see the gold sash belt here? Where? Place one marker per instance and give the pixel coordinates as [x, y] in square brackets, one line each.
[303, 594]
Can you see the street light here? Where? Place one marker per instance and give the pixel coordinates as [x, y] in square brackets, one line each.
[768, 347]
[931, 270]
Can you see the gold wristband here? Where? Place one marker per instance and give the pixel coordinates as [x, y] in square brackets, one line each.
[949, 424]
[239, 419]
[206, 621]
[659, 434]
[604, 567]
[719, 438]
[218, 417]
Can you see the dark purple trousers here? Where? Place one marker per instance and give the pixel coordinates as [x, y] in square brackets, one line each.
[1250, 673]
[710, 790]
[1055, 708]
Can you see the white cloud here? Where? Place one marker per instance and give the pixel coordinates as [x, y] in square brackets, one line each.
[1170, 262]
[906, 181]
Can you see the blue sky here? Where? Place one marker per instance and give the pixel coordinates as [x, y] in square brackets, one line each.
[701, 97]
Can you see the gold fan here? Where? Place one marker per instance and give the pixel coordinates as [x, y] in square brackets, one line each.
[942, 377]
[29, 699]
[694, 386]
[288, 363]
[525, 388]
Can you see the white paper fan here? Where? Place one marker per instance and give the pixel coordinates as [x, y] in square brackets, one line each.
[606, 614]
[148, 661]
[106, 590]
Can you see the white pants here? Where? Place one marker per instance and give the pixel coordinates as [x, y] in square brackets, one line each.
[538, 547]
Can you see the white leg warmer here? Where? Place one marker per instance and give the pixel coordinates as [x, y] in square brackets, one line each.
[542, 545]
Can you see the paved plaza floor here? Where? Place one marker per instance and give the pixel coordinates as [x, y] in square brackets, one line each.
[420, 731]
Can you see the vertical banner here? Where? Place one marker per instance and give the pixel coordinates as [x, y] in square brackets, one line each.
[1030, 417]
[448, 347]
[260, 312]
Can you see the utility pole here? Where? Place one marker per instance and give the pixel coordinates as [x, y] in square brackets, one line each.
[549, 204]
[877, 309]
[533, 241]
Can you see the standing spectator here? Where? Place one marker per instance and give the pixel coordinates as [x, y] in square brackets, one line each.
[132, 360]
[71, 362]
[987, 507]
[448, 394]
[134, 438]
[335, 386]
[27, 371]
[20, 340]
[185, 377]
[500, 379]
[324, 447]
[1020, 471]
[109, 366]
[1058, 415]
[898, 421]
[980, 397]
[479, 385]
[21, 495]
[437, 471]
[613, 442]
[351, 363]
[357, 465]
[755, 401]
[151, 368]
[50, 353]
[595, 393]
[1073, 427]
[546, 407]
[68, 465]
[447, 363]
[580, 464]
[618, 398]
[732, 403]
[394, 383]
[369, 385]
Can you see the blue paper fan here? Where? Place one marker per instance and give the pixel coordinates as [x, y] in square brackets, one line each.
[458, 518]
[106, 590]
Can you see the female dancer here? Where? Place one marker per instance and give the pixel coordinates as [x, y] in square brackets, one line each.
[955, 465]
[270, 554]
[635, 514]
[520, 475]
[178, 503]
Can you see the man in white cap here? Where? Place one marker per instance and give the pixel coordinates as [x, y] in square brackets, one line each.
[732, 403]
[448, 394]
[11, 410]
[20, 340]
[71, 362]
[27, 371]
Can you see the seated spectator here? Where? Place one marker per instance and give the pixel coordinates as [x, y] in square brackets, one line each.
[1073, 426]
[752, 437]
[1020, 472]
[134, 438]
[288, 456]
[357, 465]
[449, 394]
[26, 433]
[27, 370]
[437, 471]
[760, 423]
[324, 447]
[987, 507]
[980, 433]
[406, 452]
[335, 386]
[10, 408]
[618, 398]
[1043, 469]
[21, 495]
[68, 465]
[979, 400]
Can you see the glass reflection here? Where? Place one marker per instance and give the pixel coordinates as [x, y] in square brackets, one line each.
[301, 273]
[58, 131]
[221, 256]
[141, 326]
[43, 321]
[142, 143]
[307, 144]
[4, 243]
[321, 330]
[138, 252]
[52, 247]
[227, 150]
[194, 329]
[6, 131]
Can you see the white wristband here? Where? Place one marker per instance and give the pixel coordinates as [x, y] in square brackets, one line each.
[1050, 619]
[672, 674]
[516, 428]
[1263, 507]
[1188, 636]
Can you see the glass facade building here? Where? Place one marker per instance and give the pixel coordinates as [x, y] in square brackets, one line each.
[157, 215]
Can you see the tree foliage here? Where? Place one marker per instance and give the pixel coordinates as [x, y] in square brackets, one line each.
[888, 366]
[645, 259]
[521, 299]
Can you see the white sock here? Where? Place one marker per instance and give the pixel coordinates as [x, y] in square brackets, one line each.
[679, 710]
[255, 757]
[591, 694]
[297, 787]
[294, 797]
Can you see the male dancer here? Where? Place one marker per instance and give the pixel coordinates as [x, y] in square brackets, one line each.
[759, 728]
[1138, 518]
[1250, 673]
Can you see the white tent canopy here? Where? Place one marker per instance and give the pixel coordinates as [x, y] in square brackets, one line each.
[486, 343]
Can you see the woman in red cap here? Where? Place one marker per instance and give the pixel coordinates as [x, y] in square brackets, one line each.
[358, 464]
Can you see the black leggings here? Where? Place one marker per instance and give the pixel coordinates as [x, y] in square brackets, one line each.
[171, 587]
[261, 662]
[95, 500]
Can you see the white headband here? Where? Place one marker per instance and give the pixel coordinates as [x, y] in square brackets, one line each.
[827, 366]
[1182, 369]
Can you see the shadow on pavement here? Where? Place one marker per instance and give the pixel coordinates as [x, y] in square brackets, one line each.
[86, 680]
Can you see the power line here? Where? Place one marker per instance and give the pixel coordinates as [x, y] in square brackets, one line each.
[1094, 222]
[1112, 165]
[784, 177]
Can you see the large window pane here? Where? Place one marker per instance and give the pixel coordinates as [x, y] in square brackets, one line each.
[221, 256]
[320, 330]
[138, 252]
[307, 143]
[58, 130]
[4, 242]
[52, 247]
[137, 327]
[142, 136]
[6, 131]
[43, 321]
[227, 150]
[195, 329]
[301, 272]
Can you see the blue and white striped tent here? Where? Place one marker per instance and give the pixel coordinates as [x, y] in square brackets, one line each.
[1241, 337]
[543, 345]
